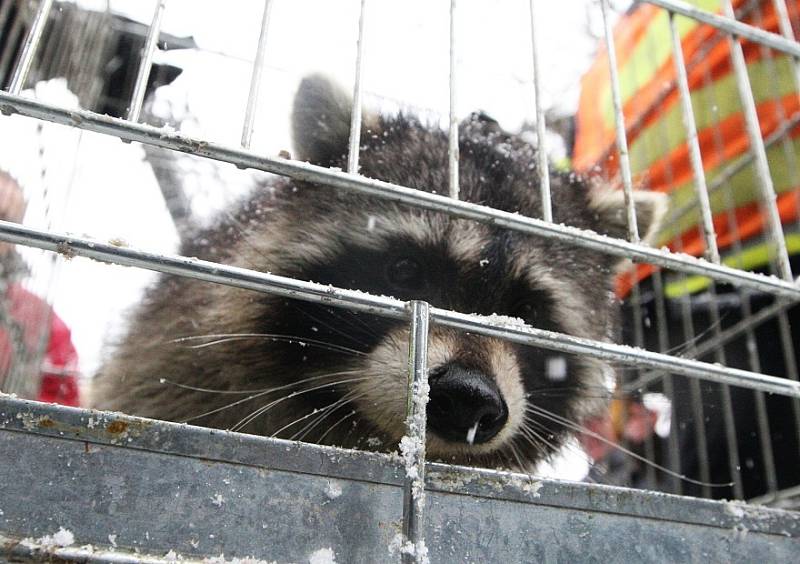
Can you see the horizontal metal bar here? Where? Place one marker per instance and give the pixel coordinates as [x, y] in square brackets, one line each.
[54, 455]
[388, 307]
[128, 131]
[28, 550]
[719, 340]
[729, 25]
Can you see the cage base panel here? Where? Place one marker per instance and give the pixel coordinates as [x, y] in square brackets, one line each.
[126, 485]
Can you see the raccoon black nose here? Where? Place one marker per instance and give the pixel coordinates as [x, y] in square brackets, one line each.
[465, 405]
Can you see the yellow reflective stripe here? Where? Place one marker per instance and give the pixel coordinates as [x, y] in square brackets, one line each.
[712, 103]
[652, 51]
[749, 258]
[741, 187]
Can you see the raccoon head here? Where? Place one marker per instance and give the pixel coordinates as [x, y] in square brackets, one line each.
[491, 402]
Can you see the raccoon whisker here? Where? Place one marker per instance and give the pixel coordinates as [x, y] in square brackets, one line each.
[258, 394]
[254, 391]
[333, 328]
[263, 409]
[677, 350]
[313, 413]
[332, 427]
[569, 446]
[537, 439]
[541, 412]
[228, 337]
[521, 467]
[300, 435]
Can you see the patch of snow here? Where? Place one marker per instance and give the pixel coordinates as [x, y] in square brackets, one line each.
[471, 433]
[218, 500]
[322, 556]
[556, 368]
[734, 509]
[334, 490]
[62, 538]
[113, 540]
[401, 545]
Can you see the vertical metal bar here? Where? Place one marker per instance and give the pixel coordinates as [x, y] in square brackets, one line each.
[696, 395]
[453, 137]
[355, 114]
[729, 421]
[541, 138]
[11, 38]
[638, 341]
[784, 328]
[762, 420]
[757, 146]
[255, 77]
[619, 118]
[673, 446]
[146, 63]
[696, 159]
[29, 47]
[5, 9]
[413, 444]
[785, 26]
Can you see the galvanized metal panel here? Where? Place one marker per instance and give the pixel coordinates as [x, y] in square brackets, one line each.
[154, 487]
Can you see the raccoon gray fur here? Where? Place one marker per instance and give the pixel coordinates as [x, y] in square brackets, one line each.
[332, 376]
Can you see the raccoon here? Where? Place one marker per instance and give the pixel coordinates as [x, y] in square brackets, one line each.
[236, 359]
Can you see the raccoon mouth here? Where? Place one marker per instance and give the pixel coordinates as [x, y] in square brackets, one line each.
[466, 407]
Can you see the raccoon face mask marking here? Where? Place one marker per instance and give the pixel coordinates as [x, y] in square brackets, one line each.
[332, 376]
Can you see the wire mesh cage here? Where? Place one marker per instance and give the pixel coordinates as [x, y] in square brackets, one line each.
[699, 389]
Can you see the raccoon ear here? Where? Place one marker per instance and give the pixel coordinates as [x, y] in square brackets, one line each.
[608, 206]
[321, 121]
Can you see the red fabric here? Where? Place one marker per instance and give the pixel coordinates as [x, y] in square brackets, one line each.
[59, 378]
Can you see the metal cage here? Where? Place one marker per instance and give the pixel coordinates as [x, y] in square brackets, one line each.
[151, 491]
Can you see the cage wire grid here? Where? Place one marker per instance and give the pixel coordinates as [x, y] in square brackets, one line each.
[650, 365]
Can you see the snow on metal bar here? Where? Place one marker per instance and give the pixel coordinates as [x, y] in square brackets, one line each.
[412, 446]
[10, 104]
[388, 307]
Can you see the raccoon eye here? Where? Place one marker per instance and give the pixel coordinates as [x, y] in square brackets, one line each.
[527, 310]
[406, 273]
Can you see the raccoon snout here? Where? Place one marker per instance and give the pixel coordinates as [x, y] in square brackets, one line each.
[465, 405]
